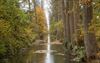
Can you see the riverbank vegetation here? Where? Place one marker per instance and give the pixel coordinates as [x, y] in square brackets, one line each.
[75, 23]
[19, 28]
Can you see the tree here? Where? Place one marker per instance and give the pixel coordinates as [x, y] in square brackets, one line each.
[89, 35]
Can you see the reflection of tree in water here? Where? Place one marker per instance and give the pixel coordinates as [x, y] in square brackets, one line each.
[39, 57]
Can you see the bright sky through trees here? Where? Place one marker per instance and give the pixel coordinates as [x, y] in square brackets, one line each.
[46, 9]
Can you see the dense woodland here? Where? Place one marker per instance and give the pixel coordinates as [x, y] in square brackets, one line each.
[75, 23]
[78, 22]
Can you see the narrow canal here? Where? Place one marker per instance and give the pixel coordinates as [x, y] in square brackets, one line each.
[48, 51]
[40, 54]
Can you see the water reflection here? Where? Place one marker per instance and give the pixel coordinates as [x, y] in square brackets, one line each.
[39, 54]
[49, 57]
[39, 58]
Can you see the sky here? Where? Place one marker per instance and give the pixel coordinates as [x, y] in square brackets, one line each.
[46, 10]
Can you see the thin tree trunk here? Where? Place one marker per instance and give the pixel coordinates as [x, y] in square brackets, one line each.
[71, 20]
[67, 21]
[67, 39]
[76, 19]
[29, 13]
[35, 10]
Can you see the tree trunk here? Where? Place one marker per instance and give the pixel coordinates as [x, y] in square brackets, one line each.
[66, 29]
[89, 36]
[76, 20]
[71, 20]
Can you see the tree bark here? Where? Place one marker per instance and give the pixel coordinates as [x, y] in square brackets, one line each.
[76, 20]
[66, 23]
[89, 36]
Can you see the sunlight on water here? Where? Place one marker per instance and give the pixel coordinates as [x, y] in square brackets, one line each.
[48, 47]
[49, 57]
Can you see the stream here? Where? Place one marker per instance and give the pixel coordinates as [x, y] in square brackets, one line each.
[42, 54]
[46, 52]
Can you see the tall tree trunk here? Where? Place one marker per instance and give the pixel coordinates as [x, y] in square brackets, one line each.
[35, 10]
[67, 21]
[64, 20]
[57, 19]
[29, 13]
[89, 36]
[66, 29]
[76, 19]
[71, 20]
